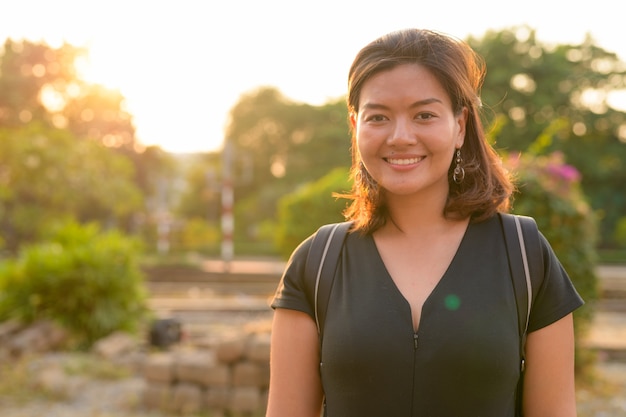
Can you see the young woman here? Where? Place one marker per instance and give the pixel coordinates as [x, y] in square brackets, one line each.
[422, 318]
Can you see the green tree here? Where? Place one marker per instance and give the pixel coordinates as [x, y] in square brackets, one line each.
[25, 70]
[197, 206]
[286, 140]
[550, 192]
[279, 145]
[557, 93]
[301, 212]
[560, 94]
[42, 84]
[201, 196]
[46, 175]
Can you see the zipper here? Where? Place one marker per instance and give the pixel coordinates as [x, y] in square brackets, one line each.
[415, 345]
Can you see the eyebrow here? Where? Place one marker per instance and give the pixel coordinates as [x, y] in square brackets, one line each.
[413, 105]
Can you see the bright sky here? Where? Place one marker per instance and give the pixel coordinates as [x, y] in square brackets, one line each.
[183, 64]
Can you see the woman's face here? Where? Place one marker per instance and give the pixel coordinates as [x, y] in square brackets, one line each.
[406, 131]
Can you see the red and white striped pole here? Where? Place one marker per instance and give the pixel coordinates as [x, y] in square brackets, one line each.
[228, 221]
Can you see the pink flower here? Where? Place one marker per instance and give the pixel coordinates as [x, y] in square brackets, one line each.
[564, 171]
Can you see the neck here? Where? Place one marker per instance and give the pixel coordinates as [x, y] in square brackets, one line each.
[417, 212]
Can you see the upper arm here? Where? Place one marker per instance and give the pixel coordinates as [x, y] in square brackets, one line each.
[295, 385]
[549, 379]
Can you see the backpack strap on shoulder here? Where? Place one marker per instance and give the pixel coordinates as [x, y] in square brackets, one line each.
[522, 237]
[526, 266]
[321, 264]
[530, 233]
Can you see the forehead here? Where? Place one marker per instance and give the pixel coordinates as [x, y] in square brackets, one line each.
[403, 82]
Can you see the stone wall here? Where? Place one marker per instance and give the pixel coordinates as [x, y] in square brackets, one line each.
[226, 374]
[228, 378]
[18, 339]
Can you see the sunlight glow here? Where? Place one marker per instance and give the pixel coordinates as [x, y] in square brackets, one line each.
[523, 83]
[181, 67]
[579, 128]
[617, 99]
[99, 68]
[51, 98]
[593, 99]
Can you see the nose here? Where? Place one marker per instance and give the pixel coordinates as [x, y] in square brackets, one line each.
[402, 133]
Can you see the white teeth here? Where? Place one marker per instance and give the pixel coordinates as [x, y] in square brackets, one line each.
[404, 161]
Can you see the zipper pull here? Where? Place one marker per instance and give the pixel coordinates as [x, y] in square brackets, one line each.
[415, 340]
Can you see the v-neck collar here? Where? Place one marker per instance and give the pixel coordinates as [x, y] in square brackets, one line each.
[444, 277]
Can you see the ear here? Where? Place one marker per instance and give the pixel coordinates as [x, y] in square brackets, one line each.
[461, 121]
[352, 118]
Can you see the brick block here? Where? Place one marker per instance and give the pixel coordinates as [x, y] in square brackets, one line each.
[40, 336]
[217, 397]
[245, 399]
[159, 368]
[157, 395]
[202, 368]
[231, 349]
[115, 345]
[250, 374]
[187, 398]
[259, 347]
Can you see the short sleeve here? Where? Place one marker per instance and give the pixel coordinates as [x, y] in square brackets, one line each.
[557, 296]
[291, 292]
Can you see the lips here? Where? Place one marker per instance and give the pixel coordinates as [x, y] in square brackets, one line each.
[404, 161]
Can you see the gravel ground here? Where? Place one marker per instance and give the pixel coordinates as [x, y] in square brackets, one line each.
[606, 397]
[89, 396]
[95, 399]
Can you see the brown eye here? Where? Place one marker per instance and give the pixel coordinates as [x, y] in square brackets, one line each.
[424, 116]
[376, 118]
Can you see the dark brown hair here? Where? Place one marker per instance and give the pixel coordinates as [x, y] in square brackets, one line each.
[486, 188]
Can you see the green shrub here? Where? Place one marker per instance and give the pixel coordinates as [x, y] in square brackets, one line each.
[303, 211]
[82, 278]
[549, 191]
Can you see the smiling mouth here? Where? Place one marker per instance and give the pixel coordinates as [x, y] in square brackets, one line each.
[404, 161]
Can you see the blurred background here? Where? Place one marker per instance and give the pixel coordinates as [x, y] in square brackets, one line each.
[150, 142]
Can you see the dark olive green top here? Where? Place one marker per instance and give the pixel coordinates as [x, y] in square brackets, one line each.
[464, 358]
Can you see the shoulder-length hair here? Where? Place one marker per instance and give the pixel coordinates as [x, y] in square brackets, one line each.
[486, 187]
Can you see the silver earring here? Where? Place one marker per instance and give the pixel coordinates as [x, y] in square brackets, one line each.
[458, 174]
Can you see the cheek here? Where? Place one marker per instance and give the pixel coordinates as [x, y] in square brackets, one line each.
[365, 145]
[367, 136]
[360, 150]
[359, 138]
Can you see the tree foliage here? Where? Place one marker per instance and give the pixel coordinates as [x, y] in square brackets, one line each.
[40, 83]
[201, 195]
[538, 98]
[68, 148]
[561, 95]
[550, 192]
[46, 175]
[301, 212]
[279, 145]
[287, 140]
